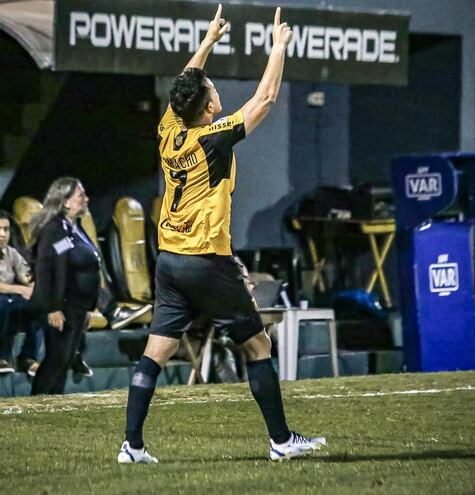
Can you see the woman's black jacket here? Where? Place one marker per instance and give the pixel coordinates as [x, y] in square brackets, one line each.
[66, 268]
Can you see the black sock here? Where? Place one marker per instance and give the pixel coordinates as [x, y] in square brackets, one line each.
[140, 395]
[265, 388]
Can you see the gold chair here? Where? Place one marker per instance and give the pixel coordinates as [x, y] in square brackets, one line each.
[126, 243]
[24, 208]
[97, 320]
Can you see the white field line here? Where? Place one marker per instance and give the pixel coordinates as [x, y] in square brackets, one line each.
[382, 394]
[9, 410]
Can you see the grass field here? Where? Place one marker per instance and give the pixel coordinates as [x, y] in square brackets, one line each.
[389, 434]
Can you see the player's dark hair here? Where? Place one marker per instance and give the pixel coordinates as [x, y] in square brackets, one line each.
[190, 95]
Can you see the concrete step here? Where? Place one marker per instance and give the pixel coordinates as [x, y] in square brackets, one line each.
[314, 338]
[106, 348]
[352, 335]
[175, 373]
[351, 363]
[370, 333]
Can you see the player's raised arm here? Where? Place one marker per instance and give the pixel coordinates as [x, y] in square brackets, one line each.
[217, 29]
[256, 109]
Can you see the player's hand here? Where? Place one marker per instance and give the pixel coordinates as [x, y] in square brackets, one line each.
[56, 320]
[218, 27]
[281, 35]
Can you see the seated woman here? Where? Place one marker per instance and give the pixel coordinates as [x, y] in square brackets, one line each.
[67, 279]
[15, 290]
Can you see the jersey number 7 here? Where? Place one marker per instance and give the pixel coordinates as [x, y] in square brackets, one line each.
[180, 176]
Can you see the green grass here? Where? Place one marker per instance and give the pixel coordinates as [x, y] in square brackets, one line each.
[211, 440]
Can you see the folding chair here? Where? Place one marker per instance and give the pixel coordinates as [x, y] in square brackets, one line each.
[200, 360]
[317, 263]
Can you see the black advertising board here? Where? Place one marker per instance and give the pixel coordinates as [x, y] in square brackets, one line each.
[157, 37]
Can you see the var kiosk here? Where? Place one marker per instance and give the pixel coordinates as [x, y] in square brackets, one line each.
[435, 216]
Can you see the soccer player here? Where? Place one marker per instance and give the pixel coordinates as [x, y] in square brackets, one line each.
[196, 273]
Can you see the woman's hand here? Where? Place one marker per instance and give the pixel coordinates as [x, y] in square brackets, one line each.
[56, 320]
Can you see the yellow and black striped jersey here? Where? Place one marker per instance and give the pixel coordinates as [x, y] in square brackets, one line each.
[200, 169]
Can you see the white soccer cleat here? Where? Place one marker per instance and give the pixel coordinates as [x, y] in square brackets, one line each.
[296, 446]
[128, 455]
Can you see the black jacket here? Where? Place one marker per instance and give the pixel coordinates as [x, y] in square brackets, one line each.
[66, 268]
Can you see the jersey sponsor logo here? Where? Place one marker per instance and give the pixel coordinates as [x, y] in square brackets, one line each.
[423, 185]
[181, 162]
[444, 276]
[220, 124]
[183, 228]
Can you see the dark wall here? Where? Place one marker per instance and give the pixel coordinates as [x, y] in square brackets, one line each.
[20, 105]
[422, 117]
[100, 128]
[318, 137]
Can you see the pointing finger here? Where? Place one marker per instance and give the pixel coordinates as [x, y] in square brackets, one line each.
[277, 17]
[217, 16]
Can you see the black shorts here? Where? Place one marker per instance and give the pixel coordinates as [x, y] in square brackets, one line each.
[208, 287]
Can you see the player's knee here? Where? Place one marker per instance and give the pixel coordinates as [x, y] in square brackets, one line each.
[257, 347]
[161, 349]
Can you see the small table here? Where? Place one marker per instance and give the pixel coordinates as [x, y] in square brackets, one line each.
[288, 338]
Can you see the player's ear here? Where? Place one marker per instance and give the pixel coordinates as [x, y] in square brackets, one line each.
[210, 107]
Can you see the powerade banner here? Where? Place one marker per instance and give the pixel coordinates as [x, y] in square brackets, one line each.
[157, 37]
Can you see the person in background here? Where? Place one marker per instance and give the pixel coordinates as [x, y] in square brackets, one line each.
[16, 287]
[67, 279]
[117, 317]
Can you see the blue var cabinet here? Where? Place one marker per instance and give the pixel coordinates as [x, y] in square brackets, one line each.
[436, 262]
